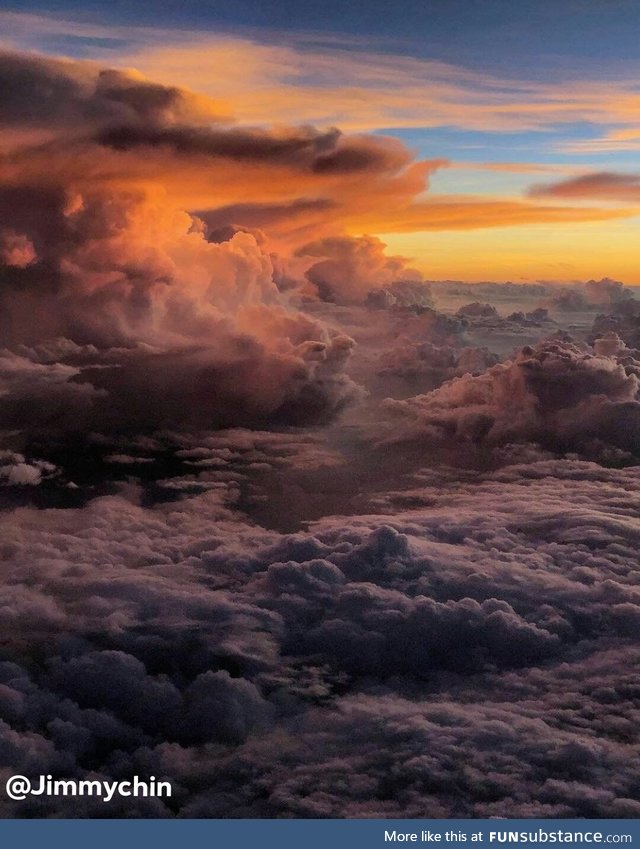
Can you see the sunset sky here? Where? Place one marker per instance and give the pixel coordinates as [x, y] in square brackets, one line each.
[320, 406]
[527, 113]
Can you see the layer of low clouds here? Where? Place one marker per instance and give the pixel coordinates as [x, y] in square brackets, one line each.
[469, 659]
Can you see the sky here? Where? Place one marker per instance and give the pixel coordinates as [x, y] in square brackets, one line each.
[320, 407]
[512, 100]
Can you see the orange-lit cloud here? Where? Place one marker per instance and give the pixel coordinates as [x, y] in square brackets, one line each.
[358, 89]
[103, 254]
[102, 205]
[471, 214]
[608, 186]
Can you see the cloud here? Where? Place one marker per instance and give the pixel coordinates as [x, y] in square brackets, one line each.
[623, 321]
[144, 389]
[16, 471]
[419, 652]
[469, 213]
[604, 185]
[349, 268]
[439, 363]
[104, 129]
[208, 578]
[114, 127]
[60, 95]
[107, 257]
[16, 250]
[311, 78]
[34, 393]
[590, 295]
[164, 316]
[305, 148]
[556, 394]
[187, 321]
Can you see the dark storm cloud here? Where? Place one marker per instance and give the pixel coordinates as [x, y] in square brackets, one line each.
[40, 92]
[42, 395]
[307, 148]
[142, 389]
[252, 145]
[252, 215]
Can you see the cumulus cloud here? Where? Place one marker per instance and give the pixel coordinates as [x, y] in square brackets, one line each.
[437, 362]
[168, 320]
[15, 470]
[184, 641]
[401, 293]
[348, 269]
[16, 250]
[564, 397]
[486, 316]
[477, 310]
[589, 295]
[623, 320]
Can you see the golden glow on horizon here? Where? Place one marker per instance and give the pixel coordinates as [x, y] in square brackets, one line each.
[564, 253]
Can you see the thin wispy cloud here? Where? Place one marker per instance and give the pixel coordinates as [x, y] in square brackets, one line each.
[305, 78]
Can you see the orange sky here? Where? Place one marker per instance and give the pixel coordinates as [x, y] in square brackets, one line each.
[590, 250]
[471, 211]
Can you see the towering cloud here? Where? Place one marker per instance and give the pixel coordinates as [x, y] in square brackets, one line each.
[98, 255]
[346, 269]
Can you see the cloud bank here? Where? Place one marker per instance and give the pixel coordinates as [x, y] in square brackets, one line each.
[421, 662]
